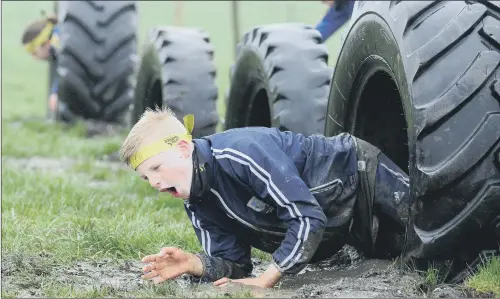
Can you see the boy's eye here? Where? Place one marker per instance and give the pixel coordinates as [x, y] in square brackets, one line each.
[144, 177]
[156, 167]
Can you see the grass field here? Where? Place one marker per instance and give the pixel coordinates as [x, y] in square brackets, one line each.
[58, 206]
[63, 207]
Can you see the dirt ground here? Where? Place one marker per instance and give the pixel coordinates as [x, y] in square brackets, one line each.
[346, 275]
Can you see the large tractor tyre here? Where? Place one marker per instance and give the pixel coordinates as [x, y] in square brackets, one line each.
[177, 71]
[280, 79]
[97, 56]
[420, 80]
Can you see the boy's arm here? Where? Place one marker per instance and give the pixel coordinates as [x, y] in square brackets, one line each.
[269, 172]
[334, 19]
[224, 254]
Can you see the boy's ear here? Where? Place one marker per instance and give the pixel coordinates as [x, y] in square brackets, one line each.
[185, 148]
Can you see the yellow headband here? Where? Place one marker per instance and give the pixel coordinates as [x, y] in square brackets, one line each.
[164, 144]
[40, 39]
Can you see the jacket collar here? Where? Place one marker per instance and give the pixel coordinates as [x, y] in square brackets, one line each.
[202, 170]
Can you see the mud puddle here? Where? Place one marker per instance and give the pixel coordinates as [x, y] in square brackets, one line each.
[348, 275]
[38, 276]
[345, 275]
[28, 276]
[368, 279]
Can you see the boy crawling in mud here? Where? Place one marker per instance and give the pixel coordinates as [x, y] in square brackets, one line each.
[299, 198]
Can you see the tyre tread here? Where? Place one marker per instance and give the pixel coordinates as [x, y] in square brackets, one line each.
[473, 19]
[459, 28]
[292, 50]
[187, 59]
[98, 51]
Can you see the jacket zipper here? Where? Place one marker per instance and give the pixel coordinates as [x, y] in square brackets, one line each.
[243, 221]
[325, 186]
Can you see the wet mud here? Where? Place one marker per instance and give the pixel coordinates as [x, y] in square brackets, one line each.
[28, 276]
[346, 275]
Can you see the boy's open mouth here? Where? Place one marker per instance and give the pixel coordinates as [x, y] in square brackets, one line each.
[170, 190]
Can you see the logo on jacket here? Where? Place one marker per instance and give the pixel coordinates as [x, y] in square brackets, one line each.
[259, 206]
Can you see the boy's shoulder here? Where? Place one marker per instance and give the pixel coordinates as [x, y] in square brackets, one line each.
[242, 138]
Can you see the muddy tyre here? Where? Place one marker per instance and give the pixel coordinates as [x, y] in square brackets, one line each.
[280, 79]
[177, 70]
[97, 57]
[420, 80]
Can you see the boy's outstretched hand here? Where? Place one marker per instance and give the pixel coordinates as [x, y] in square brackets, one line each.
[171, 263]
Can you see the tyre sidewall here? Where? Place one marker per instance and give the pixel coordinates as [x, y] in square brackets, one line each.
[148, 74]
[248, 78]
[355, 65]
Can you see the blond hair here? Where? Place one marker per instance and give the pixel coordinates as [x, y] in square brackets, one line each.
[153, 125]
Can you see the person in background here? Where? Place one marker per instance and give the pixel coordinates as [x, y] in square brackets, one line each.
[41, 40]
[338, 14]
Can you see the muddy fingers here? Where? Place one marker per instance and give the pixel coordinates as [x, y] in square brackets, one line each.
[149, 258]
[150, 275]
[222, 282]
[154, 266]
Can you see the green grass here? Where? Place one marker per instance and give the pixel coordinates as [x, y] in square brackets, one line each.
[82, 210]
[487, 280]
[72, 208]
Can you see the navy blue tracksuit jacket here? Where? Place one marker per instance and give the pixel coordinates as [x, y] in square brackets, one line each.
[281, 192]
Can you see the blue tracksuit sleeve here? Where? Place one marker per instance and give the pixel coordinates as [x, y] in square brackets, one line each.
[334, 19]
[225, 255]
[55, 45]
[55, 85]
[269, 172]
